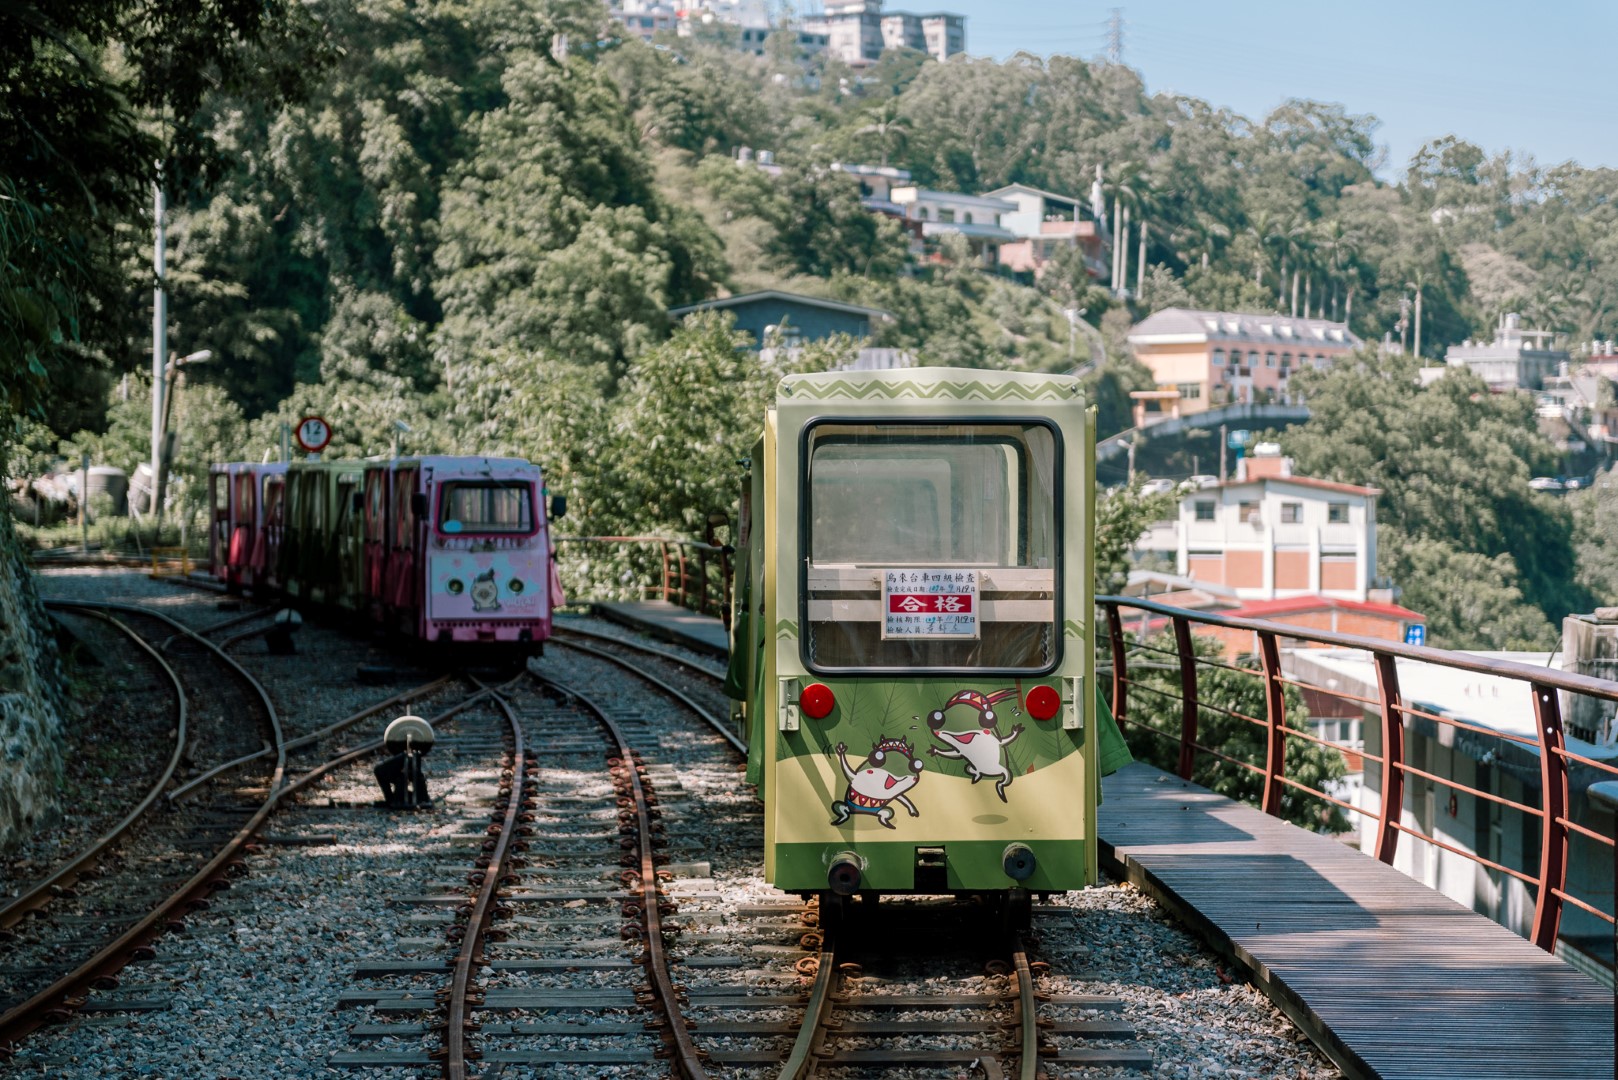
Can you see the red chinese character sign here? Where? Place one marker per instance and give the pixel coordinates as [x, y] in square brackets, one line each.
[930, 604]
[313, 434]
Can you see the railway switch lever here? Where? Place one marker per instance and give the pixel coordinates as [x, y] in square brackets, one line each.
[404, 781]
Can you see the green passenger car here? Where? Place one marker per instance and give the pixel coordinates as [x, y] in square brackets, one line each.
[913, 644]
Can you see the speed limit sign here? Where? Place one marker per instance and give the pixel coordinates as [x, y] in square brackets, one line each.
[313, 434]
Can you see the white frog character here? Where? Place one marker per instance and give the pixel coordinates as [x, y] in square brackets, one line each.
[980, 749]
[872, 787]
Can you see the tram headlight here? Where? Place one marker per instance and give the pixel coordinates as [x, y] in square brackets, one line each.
[817, 701]
[516, 586]
[456, 586]
[1043, 702]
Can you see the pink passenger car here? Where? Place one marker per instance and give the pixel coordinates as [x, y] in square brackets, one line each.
[458, 549]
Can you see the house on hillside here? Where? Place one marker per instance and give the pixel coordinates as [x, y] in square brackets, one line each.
[858, 31]
[876, 185]
[1516, 359]
[1204, 359]
[1291, 549]
[791, 318]
[929, 215]
[1045, 223]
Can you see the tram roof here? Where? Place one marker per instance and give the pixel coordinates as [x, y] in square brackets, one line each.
[936, 384]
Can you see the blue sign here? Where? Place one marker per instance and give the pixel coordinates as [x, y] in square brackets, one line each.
[1415, 634]
[1238, 439]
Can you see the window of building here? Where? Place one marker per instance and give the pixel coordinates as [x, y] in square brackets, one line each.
[1247, 511]
[946, 215]
[1218, 357]
[1269, 359]
[1286, 360]
[1189, 391]
[1337, 513]
[1252, 359]
[922, 212]
[1291, 513]
[967, 217]
[1320, 359]
[1204, 509]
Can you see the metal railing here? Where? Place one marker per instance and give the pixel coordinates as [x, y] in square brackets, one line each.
[1165, 644]
[686, 573]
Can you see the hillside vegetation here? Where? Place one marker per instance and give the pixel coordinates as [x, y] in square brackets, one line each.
[469, 218]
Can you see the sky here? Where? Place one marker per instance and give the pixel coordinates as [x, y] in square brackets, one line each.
[1531, 78]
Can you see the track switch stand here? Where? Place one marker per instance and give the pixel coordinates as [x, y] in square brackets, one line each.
[404, 781]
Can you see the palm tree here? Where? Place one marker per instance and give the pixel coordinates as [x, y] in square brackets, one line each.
[1339, 245]
[888, 126]
[1261, 230]
[1132, 196]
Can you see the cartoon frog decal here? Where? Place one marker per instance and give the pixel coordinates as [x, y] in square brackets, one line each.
[485, 592]
[981, 748]
[871, 787]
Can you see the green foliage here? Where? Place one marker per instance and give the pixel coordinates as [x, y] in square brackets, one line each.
[1452, 462]
[1229, 700]
[1595, 541]
[1122, 516]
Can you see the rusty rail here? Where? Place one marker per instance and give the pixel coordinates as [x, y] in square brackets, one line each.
[636, 804]
[692, 575]
[1389, 712]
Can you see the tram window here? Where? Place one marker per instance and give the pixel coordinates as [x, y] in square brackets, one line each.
[979, 497]
[485, 507]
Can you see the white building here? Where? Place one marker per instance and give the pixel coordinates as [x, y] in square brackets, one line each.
[1269, 535]
[857, 31]
[1515, 359]
[940, 213]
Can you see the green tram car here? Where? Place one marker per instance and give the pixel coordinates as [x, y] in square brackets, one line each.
[913, 650]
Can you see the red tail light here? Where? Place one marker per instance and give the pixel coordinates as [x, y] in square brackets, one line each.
[817, 701]
[1043, 702]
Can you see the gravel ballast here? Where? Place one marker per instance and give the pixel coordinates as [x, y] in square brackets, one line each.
[251, 988]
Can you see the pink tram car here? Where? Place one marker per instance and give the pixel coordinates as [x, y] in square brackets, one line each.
[442, 549]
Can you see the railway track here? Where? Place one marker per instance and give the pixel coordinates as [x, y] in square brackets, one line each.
[184, 840]
[167, 868]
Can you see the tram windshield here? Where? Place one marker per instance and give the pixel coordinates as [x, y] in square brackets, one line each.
[486, 507]
[931, 546]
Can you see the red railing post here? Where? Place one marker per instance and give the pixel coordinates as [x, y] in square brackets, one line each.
[1120, 671]
[1188, 695]
[1275, 726]
[1553, 828]
[1393, 753]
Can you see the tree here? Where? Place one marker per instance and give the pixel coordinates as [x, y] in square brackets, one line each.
[77, 81]
[552, 235]
[1452, 464]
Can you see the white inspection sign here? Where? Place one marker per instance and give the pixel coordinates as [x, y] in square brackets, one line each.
[930, 603]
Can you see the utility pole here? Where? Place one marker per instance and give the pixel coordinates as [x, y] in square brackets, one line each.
[1115, 37]
[160, 357]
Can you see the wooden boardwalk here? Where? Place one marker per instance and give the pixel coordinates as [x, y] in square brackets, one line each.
[1390, 978]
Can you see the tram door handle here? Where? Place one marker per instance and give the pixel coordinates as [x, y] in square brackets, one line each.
[1073, 704]
[787, 704]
